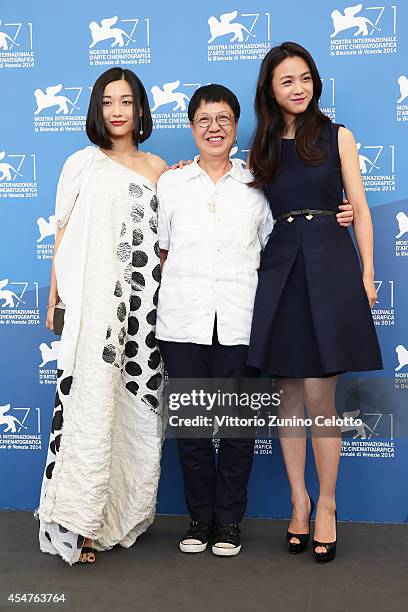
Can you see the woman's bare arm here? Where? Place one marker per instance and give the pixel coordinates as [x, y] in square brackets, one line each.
[53, 295]
[362, 225]
[163, 257]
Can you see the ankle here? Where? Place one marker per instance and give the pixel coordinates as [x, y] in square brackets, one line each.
[326, 505]
[300, 499]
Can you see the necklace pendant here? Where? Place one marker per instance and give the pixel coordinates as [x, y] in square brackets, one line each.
[211, 206]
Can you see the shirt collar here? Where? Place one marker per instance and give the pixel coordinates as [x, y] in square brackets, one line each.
[237, 171]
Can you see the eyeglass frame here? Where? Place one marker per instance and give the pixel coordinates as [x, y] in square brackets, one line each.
[232, 118]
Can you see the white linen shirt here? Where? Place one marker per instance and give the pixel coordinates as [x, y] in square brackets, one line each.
[213, 254]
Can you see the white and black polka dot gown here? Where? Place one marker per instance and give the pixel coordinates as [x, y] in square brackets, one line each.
[103, 463]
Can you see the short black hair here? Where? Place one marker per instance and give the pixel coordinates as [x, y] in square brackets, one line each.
[213, 93]
[95, 126]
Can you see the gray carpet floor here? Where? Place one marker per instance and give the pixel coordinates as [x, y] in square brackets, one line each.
[370, 572]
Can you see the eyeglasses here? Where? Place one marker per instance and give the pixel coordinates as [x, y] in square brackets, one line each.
[205, 120]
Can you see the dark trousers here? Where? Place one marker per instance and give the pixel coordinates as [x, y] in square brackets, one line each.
[212, 491]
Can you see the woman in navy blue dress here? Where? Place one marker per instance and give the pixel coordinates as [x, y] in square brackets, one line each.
[312, 318]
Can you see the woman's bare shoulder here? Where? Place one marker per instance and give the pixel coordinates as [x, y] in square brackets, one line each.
[345, 135]
[155, 162]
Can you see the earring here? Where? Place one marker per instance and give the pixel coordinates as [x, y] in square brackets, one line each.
[141, 126]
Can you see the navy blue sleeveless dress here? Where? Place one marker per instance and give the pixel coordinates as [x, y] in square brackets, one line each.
[311, 314]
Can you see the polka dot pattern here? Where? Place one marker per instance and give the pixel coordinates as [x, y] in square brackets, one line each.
[150, 340]
[133, 346]
[139, 259]
[121, 312]
[133, 368]
[153, 224]
[127, 274]
[154, 203]
[131, 349]
[57, 421]
[156, 273]
[138, 281]
[122, 336]
[151, 401]
[154, 382]
[151, 317]
[57, 401]
[135, 191]
[118, 290]
[133, 387]
[154, 360]
[133, 326]
[49, 470]
[65, 385]
[109, 353]
[137, 213]
[137, 237]
[123, 252]
[135, 302]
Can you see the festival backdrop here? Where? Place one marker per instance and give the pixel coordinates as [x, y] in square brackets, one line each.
[49, 58]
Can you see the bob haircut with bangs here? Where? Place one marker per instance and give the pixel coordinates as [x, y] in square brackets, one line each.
[95, 125]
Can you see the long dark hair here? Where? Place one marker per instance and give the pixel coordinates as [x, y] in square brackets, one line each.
[95, 125]
[265, 154]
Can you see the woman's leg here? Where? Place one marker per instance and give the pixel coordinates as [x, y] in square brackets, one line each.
[326, 440]
[293, 445]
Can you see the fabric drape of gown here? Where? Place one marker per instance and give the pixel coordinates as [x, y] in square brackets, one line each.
[103, 463]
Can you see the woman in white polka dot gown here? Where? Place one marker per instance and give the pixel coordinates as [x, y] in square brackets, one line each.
[100, 482]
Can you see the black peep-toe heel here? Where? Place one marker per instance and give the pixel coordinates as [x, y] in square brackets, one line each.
[303, 538]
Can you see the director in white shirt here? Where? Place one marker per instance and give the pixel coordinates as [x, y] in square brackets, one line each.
[212, 228]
